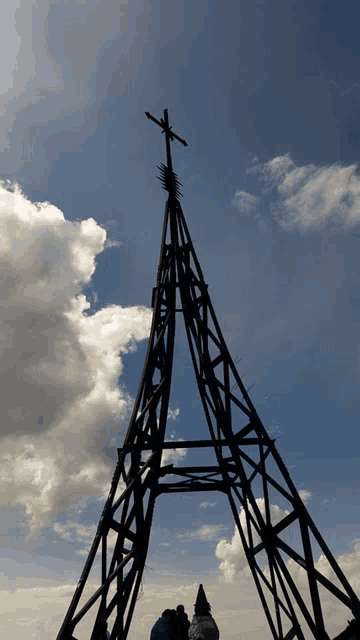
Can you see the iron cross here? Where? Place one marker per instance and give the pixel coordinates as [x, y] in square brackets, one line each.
[169, 134]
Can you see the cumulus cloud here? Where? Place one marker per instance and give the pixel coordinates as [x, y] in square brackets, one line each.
[306, 198]
[60, 363]
[231, 553]
[234, 568]
[348, 562]
[335, 613]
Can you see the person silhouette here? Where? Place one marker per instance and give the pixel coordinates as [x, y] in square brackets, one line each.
[163, 629]
[182, 623]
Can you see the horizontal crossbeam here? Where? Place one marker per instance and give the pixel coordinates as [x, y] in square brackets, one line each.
[178, 471]
[192, 444]
[180, 487]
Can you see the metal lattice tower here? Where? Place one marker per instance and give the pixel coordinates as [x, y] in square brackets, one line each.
[248, 469]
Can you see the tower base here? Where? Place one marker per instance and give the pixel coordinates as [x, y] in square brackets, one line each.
[203, 628]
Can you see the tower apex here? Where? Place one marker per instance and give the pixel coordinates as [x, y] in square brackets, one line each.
[202, 606]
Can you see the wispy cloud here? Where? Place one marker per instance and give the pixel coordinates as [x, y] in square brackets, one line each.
[173, 455]
[72, 531]
[305, 495]
[206, 505]
[307, 198]
[82, 535]
[173, 414]
[110, 244]
[205, 533]
[245, 202]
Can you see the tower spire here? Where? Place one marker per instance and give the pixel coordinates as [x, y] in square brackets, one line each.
[271, 520]
[202, 606]
[167, 176]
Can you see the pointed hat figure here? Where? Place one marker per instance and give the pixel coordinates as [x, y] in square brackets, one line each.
[203, 625]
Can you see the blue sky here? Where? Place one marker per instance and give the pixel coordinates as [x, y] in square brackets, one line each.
[266, 94]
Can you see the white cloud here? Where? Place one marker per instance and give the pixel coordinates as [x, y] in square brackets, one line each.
[72, 531]
[173, 455]
[59, 364]
[43, 605]
[234, 570]
[274, 171]
[349, 563]
[305, 495]
[206, 505]
[245, 202]
[82, 535]
[307, 198]
[236, 606]
[111, 244]
[231, 553]
[110, 542]
[173, 414]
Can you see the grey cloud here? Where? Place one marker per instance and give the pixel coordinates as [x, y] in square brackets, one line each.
[58, 361]
[53, 50]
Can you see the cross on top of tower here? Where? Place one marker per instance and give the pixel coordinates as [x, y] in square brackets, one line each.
[169, 134]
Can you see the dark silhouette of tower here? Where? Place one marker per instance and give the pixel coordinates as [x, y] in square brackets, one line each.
[248, 469]
[202, 606]
[203, 625]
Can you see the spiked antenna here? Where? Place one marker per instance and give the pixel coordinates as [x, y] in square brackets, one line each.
[169, 181]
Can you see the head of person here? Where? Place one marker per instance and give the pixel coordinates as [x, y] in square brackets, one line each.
[180, 608]
[172, 616]
[166, 614]
[169, 616]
